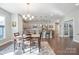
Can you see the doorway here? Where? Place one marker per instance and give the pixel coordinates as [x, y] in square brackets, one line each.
[68, 29]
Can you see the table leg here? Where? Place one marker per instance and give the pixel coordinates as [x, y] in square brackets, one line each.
[14, 45]
[39, 44]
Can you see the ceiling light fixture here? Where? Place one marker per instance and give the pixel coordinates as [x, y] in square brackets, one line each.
[28, 16]
[32, 17]
[23, 16]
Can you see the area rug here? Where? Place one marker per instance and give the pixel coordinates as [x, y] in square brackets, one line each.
[45, 50]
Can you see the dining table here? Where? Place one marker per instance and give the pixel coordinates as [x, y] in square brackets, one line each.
[37, 36]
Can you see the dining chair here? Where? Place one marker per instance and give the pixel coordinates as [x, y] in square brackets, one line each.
[30, 41]
[17, 40]
[26, 41]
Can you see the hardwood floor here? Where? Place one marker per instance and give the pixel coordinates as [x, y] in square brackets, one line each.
[64, 46]
[61, 46]
[5, 45]
[45, 50]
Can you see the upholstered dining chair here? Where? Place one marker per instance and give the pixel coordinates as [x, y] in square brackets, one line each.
[26, 41]
[17, 40]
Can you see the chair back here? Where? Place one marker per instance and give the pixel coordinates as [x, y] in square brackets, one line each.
[16, 34]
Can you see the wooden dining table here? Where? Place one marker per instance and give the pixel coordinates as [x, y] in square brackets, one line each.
[37, 36]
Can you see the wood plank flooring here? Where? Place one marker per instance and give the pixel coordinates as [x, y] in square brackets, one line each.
[61, 46]
[64, 46]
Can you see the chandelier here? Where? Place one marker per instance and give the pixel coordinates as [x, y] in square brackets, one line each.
[28, 16]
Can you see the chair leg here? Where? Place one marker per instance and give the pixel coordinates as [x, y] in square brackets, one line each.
[19, 44]
[23, 50]
[39, 44]
[30, 46]
[14, 46]
[23, 47]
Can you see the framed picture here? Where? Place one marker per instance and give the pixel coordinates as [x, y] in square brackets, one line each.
[13, 24]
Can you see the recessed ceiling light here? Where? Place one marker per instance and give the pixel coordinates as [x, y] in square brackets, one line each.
[77, 4]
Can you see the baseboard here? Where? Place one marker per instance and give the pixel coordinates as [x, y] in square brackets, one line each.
[76, 41]
[5, 42]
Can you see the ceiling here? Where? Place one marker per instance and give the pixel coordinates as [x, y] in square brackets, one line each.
[51, 10]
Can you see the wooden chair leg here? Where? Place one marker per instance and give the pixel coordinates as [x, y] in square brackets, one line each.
[14, 46]
[30, 46]
[19, 44]
[23, 47]
[23, 50]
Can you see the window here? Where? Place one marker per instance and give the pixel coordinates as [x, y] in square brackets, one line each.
[65, 29]
[2, 27]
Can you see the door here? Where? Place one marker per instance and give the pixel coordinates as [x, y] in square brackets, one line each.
[71, 29]
[68, 29]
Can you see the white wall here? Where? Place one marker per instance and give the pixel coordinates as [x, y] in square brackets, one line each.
[76, 29]
[15, 19]
[19, 23]
[61, 23]
[8, 31]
